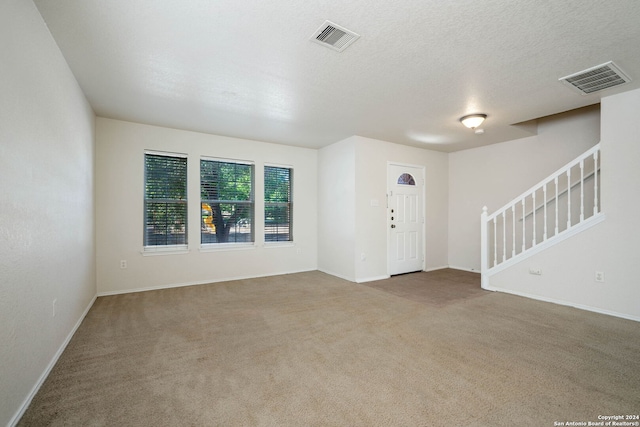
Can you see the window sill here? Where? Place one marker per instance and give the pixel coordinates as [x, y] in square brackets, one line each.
[222, 247]
[272, 245]
[165, 250]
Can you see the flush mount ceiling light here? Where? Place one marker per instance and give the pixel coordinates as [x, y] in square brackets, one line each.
[472, 121]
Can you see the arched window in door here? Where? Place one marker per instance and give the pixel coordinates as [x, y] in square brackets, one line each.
[406, 179]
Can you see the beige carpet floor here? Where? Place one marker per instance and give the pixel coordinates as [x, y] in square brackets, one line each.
[310, 349]
[435, 288]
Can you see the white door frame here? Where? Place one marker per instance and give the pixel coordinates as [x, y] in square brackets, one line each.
[422, 169]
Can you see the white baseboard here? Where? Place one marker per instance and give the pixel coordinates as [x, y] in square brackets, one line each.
[372, 279]
[470, 270]
[566, 303]
[199, 282]
[350, 279]
[435, 268]
[25, 404]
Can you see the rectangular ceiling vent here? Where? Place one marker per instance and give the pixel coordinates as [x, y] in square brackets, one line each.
[334, 36]
[596, 78]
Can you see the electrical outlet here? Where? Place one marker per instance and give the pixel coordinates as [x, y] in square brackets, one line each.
[535, 271]
[600, 276]
[363, 256]
[53, 308]
[123, 263]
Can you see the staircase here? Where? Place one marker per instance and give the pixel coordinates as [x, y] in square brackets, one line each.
[558, 207]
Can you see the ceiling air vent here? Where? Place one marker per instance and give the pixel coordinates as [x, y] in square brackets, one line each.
[596, 78]
[334, 36]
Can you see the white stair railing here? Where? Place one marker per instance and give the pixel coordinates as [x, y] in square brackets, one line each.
[549, 211]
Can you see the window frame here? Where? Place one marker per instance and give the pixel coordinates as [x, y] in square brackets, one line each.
[289, 204]
[166, 248]
[215, 246]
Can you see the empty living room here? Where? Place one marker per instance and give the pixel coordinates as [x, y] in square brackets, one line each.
[359, 213]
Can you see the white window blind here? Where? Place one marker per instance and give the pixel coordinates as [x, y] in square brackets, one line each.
[278, 204]
[165, 200]
[227, 202]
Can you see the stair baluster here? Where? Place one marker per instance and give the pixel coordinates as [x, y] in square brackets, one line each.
[589, 181]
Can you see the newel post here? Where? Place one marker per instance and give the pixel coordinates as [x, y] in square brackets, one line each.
[484, 249]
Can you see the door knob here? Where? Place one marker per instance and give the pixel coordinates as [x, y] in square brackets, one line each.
[393, 226]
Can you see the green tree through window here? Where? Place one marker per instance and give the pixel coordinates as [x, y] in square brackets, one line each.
[227, 202]
[277, 204]
[165, 200]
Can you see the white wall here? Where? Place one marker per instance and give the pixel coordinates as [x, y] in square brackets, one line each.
[493, 175]
[372, 157]
[336, 209]
[568, 269]
[46, 214]
[119, 209]
[352, 173]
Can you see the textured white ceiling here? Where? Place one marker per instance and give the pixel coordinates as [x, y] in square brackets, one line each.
[247, 68]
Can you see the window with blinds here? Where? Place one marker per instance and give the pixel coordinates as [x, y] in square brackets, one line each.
[226, 201]
[165, 200]
[277, 204]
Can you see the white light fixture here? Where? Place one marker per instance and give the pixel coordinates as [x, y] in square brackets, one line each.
[472, 121]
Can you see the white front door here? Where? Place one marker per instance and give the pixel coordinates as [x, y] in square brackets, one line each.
[405, 219]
